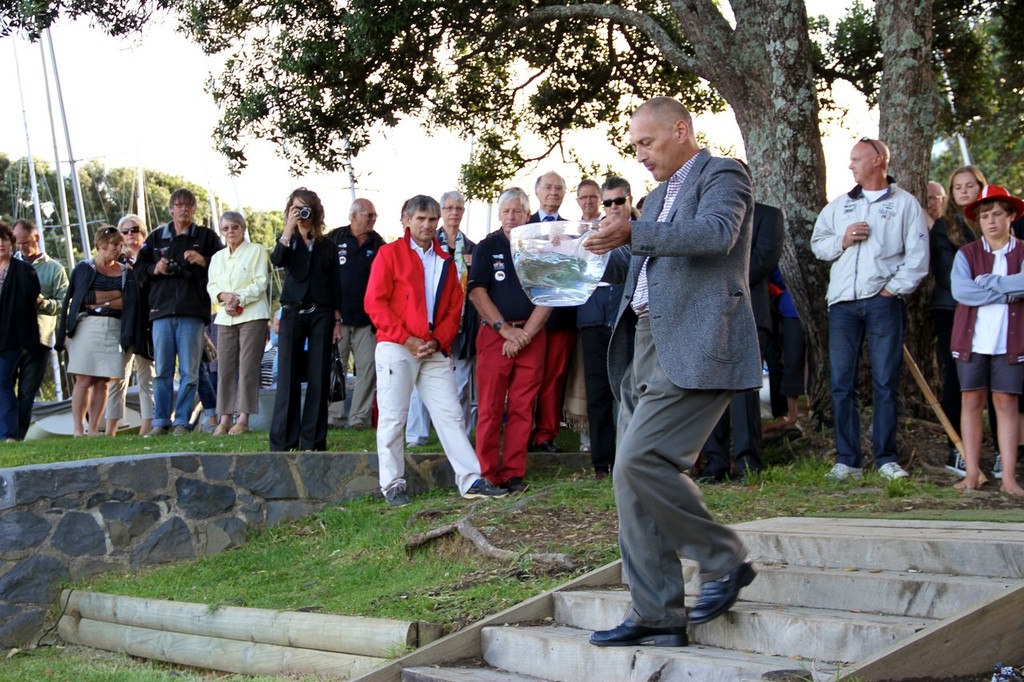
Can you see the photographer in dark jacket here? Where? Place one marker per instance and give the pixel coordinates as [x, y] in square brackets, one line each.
[310, 318]
[173, 263]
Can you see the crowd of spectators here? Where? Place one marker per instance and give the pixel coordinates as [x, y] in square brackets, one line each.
[143, 302]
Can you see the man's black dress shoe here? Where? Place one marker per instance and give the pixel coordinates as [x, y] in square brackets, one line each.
[718, 596]
[631, 634]
[548, 446]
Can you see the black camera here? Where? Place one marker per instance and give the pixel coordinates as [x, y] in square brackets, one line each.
[173, 267]
[123, 259]
[305, 212]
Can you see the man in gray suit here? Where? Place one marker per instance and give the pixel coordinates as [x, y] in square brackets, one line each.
[684, 341]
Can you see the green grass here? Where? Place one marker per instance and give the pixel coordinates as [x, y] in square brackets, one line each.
[352, 558]
[66, 449]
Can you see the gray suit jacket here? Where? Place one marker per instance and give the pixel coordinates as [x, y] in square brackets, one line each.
[697, 277]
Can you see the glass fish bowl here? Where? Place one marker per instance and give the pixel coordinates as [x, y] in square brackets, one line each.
[553, 264]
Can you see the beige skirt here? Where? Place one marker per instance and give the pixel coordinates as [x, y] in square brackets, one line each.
[95, 349]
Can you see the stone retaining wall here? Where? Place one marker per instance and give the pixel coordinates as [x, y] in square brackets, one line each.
[67, 521]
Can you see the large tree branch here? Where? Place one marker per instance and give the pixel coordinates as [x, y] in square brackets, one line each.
[657, 33]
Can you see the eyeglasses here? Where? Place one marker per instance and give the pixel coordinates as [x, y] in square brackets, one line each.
[371, 216]
[871, 142]
[230, 227]
[618, 201]
[134, 229]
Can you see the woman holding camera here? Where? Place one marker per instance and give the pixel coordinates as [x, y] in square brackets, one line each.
[97, 324]
[310, 321]
[238, 285]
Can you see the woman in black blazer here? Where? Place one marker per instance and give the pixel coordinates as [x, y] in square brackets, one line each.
[310, 324]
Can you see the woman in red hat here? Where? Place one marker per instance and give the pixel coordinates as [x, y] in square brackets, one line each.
[988, 330]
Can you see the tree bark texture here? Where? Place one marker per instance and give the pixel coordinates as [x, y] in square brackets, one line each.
[909, 107]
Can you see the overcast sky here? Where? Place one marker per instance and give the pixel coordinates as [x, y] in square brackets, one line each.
[156, 112]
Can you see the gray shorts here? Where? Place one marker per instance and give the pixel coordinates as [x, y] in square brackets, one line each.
[990, 372]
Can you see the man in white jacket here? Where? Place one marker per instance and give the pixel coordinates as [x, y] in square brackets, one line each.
[877, 239]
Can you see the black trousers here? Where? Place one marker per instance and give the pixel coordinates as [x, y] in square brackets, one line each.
[742, 420]
[600, 399]
[29, 377]
[292, 427]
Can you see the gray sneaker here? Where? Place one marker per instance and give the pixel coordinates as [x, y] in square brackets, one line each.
[397, 497]
[892, 471]
[157, 431]
[181, 430]
[841, 472]
[482, 488]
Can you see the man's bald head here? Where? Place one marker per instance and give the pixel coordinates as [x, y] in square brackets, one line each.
[661, 130]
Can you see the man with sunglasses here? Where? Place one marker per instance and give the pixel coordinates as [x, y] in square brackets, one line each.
[876, 237]
[174, 263]
[595, 320]
[53, 280]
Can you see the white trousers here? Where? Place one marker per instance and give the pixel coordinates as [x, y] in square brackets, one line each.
[418, 426]
[398, 372]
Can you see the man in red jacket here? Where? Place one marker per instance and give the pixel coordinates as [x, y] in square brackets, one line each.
[415, 300]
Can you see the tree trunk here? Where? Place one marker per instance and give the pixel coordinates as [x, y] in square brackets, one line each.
[764, 71]
[908, 106]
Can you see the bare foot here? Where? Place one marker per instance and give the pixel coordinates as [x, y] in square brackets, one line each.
[969, 483]
[1011, 488]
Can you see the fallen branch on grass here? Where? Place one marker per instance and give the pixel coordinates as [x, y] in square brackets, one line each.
[464, 526]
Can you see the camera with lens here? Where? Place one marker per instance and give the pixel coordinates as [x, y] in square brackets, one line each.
[305, 212]
[123, 259]
[173, 267]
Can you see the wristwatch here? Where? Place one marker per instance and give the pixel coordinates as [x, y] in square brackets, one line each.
[497, 325]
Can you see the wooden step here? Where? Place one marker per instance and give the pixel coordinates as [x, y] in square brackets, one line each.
[946, 548]
[564, 654]
[773, 629]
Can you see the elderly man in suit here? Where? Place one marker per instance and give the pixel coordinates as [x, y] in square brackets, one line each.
[684, 341]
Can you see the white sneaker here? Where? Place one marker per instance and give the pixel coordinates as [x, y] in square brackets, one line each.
[997, 467]
[841, 472]
[892, 471]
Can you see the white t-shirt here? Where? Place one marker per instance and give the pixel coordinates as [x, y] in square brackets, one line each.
[993, 319]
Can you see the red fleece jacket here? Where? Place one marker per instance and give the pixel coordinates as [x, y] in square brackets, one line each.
[396, 300]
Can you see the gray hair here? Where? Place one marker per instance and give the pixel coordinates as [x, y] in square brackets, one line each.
[513, 193]
[615, 182]
[421, 203]
[453, 195]
[132, 218]
[233, 217]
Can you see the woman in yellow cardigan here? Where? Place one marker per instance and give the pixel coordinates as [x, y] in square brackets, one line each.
[238, 285]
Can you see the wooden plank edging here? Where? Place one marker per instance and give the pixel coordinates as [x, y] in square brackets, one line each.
[466, 642]
[373, 637]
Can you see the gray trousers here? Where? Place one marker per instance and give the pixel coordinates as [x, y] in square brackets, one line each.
[361, 342]
[662, 515]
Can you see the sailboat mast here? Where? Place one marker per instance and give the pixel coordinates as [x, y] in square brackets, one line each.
[28, 143]
[75, 184]
[62, 194]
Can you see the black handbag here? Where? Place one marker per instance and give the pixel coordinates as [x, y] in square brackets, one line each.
[336, 381]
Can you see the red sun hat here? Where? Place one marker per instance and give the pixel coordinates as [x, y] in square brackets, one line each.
[994, 193]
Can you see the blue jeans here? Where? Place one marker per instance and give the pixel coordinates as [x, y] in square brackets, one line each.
[8, 402]
[880, 320]
[181, 339]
